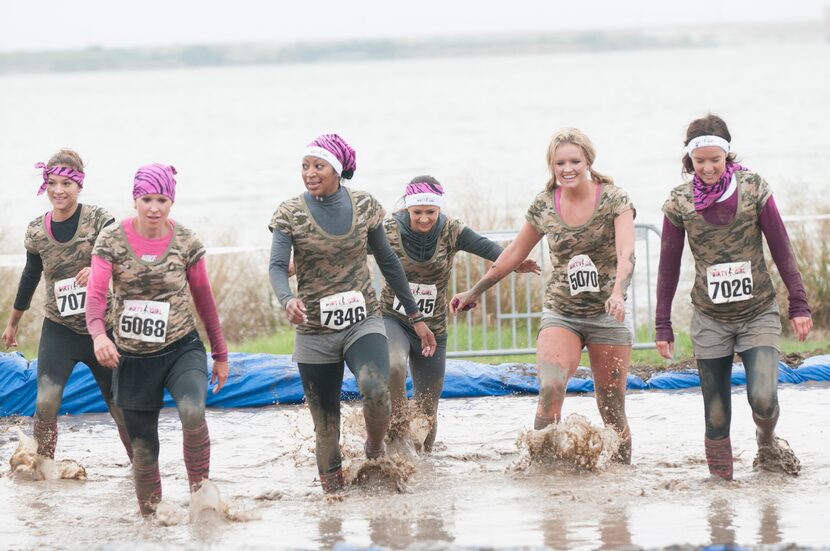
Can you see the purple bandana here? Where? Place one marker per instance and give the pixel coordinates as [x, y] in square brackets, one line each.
[65, 171]
[338, 147]
[155, 179]
[705, 195]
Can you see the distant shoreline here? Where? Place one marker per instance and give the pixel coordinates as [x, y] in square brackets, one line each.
[171, 57]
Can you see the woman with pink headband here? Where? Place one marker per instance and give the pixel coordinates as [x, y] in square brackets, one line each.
[426, 242]
[725, 210]
[589, 223]
[330, 229]
[59, 247]
[156, 265]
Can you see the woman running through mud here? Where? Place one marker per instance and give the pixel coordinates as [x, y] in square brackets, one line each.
[426, 241]
[59, 247]
[331, 228]
[724, 211]
[156, 265]
[589, 223]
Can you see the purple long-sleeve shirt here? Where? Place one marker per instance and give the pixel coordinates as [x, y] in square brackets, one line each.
[671, 251]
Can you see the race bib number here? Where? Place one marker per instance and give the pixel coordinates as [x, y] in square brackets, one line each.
[70, 297]
[582, 275]
[729, 282]
[342, 310]
[144, 320]
[425, 295]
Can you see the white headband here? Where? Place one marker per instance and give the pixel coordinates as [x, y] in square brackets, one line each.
[326, 155]
[425, 199]
[705, 141]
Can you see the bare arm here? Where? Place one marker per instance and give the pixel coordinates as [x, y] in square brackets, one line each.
[624, 240]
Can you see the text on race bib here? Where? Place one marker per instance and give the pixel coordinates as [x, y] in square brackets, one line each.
[144, 320]
[341, 310]
[70, 297]
[729, 282]
[582, 275]
[425, 295]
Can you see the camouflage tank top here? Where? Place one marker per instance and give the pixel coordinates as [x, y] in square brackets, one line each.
[732, 282]
[583, 258]
[65, 300]
[333, 278]
[152, 298]
[428, 280]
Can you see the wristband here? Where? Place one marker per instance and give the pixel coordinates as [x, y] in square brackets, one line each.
[418, 317]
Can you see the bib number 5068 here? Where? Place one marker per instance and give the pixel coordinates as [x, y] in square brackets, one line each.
[144, 320]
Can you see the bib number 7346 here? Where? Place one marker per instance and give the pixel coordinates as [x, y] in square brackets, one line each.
[341, 310]
[729, 282]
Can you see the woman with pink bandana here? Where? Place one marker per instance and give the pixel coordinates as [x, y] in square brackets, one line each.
[426, 242]
[156, 265]
[330, 229]
[725, 210]
[59, 248]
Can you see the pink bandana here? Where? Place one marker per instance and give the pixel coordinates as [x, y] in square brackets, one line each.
[65, 171]
[155, 179]
[705, 195]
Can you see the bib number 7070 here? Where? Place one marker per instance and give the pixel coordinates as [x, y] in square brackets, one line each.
[70, 297]
[341, 310]
[729, 282]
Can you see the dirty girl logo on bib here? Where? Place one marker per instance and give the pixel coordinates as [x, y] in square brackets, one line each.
[424, 294]
[144, 320]
[341, 310]
[582, 275]
[729, 282]
[70, 297]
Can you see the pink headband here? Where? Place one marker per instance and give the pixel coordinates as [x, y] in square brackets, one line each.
[424, 193]
[155, 179]
[339, 149]
[67, 172]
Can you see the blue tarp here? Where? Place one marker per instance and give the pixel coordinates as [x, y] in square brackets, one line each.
[263, 379]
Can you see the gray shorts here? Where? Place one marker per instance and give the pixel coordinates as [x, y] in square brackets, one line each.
[712, 338]
[601, 329]
[325, 348]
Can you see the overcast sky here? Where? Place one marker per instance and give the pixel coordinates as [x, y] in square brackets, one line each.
[59, 24]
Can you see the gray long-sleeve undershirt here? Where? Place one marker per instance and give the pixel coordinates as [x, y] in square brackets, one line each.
[478, 245]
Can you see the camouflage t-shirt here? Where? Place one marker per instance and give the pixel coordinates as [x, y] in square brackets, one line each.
[327, 264]
[63, 261]
[152, 298]
[423, 276]
[583, 258]
[732, 282]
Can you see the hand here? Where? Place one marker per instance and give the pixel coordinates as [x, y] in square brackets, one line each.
[615, 306]
[10, 336]
[296, 312]
[462, 302]
[105, 351]
[427, 339]
[220, 374]
[83, 276]
[527, 266]
[801, 327]
[666, 349]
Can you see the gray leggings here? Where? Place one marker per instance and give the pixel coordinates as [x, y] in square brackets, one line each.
[427, 373]
[368, 360]
[761, 365]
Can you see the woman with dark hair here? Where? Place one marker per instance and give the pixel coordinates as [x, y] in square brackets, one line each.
[426, 242]
[725, 210]
[59, 247]
[330, 229]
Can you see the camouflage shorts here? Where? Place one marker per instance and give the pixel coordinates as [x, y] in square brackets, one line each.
[601, 329]
[712, 338]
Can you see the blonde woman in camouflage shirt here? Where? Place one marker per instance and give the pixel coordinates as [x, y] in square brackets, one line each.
[589, 224]
[330, 228]
[725, 210]
[59, 246]
[426, 242]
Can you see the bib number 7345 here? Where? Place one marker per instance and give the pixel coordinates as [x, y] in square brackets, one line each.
[341, 310]
[425, 295]
[729, 282]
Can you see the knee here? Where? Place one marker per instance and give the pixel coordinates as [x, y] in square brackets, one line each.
[144, 452]
[765, 407]
[551, 392]
[47, 406]
[191, 413]
[374, 388]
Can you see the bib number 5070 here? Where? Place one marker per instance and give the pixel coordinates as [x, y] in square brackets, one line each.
[341, 310]
[729, 282]
[144, 320]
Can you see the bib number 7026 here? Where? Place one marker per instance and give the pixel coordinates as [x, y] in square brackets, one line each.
[729, 282]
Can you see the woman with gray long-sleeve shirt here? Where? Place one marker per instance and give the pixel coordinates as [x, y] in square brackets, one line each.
[426, 242]
[330, 229]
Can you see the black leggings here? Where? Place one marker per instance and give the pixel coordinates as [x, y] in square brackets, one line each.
[761, 364]
[368, 360]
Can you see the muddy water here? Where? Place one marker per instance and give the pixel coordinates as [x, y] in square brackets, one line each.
[476, 489]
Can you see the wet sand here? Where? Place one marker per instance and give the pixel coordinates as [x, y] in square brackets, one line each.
[476, 489]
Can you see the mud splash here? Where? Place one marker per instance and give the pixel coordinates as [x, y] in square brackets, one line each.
[390, 472]
[574, 442]
[778, 457]
[26, 464]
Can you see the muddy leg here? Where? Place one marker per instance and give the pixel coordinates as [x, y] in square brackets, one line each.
[322, 386]
[399, 350]
[188, 391]
[54, 366]
[103, 376]
[428, 380]
[557, 357]
[716, 386]
[368, 359]
[142, 428]
[609, 364]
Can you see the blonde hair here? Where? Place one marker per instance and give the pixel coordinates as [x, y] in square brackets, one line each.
[576, 137]
[66, 157]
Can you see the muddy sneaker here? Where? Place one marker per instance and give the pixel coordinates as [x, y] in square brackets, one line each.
[332, 482]
[777, 457]
[374, 454]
